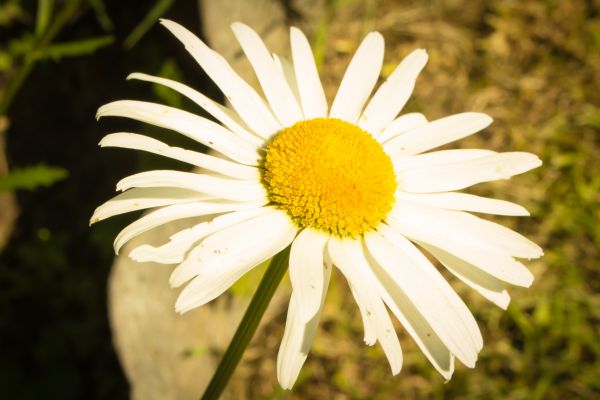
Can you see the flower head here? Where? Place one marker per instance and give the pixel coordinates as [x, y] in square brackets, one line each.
[354, 185]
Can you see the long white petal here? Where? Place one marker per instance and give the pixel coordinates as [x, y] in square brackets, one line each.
[360, 294]
[175, 212]
[349, 257]
[459, 175]
[174, 251]
[409, 315]
[489, 287]
[428, 225]
[298, 337]
[470, 227]
[437, 158]
[202, 130]
[142, 198]
[393, 94]
[287, 69]
[231, 242]
[306, 271]
[216, 266]
[247, 103]
[456, 307]
[359, 79]
[312, 96]
[425, 294]
[400, 125]
[271, 78]
[221, 113]
[437, 133]
[134, 141]
[464, 202]
[230, 189]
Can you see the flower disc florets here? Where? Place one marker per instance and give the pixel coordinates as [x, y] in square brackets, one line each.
[330, 175]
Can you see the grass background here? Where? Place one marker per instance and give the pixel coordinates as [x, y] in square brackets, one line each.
[534, 66]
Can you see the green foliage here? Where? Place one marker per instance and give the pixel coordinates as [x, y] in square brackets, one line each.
[44, 14]
[30, 178]
[101, 15]
[170, 97]
[157, 11]
[74, 48]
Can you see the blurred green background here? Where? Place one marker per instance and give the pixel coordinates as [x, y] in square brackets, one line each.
[532, 65]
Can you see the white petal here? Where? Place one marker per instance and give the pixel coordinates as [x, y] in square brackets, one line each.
[271, 79]
[437, 133]
[489, 287]
[306, 271]
[312, 96]
[470, 227]
[231, 242]
[359, 79]
[140, 142]
[430, 225]
[248, 104]
[464, 202]
[142, 198]
[362, 295]
[221, 113]
[454, 303]
[409, 316]
[437, 158]
[287, 69]
[222, 258]
[230, 189]
[349, 257]
[174, 251]
[459, 175]
[175, 212]
[393, 94]
[193, 126]
[298, 337]
[403, 123]
[424, 292]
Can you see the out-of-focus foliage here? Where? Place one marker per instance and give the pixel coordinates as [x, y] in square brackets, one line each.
[31, 177]
[60, 60]
[157, 10]
[36, 42]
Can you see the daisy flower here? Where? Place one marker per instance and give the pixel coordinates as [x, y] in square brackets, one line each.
[353, 185]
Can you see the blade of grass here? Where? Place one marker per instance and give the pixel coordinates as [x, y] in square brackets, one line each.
[101, 15]
[76, 48]
[18, 79]
[44, 13]
[159, 8]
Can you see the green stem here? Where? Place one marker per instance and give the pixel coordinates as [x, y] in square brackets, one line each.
[247, 327]
[21, 75]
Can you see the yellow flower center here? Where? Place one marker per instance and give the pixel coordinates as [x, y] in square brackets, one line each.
[330, 175]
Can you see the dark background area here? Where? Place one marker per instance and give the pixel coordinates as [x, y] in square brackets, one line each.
[54, 331]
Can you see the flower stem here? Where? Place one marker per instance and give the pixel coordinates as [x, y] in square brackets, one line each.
[247, 327]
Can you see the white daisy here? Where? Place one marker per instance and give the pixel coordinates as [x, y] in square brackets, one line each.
[353, 185]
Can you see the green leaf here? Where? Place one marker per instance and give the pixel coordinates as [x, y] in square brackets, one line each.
[170, 97]
[44, 14]
[102, 16]
[159, 8]
[6, 61]
[30, 178]
[75, 48]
